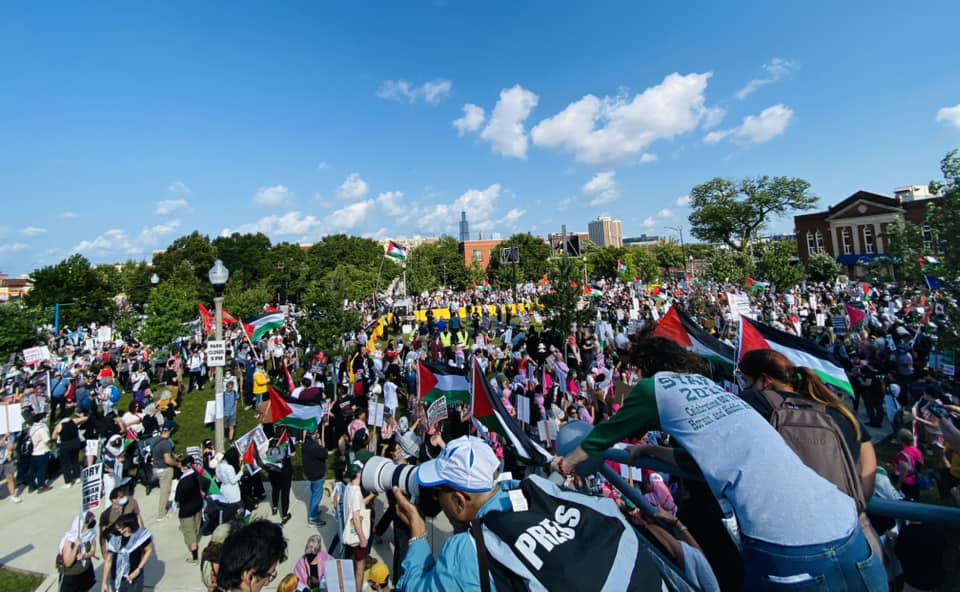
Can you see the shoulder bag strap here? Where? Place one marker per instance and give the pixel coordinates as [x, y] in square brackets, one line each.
[773, 397]
[482, 557]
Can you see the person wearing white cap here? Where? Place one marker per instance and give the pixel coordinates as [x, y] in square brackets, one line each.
[463, 479]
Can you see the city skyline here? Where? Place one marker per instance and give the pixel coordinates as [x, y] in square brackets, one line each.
[126, 128]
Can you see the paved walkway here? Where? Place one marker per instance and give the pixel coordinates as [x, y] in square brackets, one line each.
[32, 530]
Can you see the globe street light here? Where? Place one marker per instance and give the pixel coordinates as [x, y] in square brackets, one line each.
[154, 280]
[218, 275]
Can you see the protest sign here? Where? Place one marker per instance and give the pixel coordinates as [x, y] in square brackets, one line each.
[104, 334]
[340, 575]
[92, 448]
[259, 437]
[35, 355]
[91, 479]
[437, 411]
[523, 408]
[11, 418]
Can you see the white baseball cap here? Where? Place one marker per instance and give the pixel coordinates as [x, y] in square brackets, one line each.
[466, 464]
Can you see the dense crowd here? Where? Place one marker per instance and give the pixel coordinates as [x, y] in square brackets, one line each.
[614, 374]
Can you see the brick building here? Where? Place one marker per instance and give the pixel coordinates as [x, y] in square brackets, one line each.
[479, 251]
[852, 231]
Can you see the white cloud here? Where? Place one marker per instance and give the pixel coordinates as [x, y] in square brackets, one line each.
[431, 92]
[713, 117]
[323, 165]
[272, 197]
[683, 201]
[289, 224]
[776, 69]
[178, 188]
[111, 243]
[565, 204]
[510, 218]
[757, 129]
[349, 217]
[472, 120]
[352, 188]
[617, 129]
[12, 248]
[33, 231]
[479, 204]
[389, 203]
[152, 234]
[648, 222]
[665, 213]
[950, 116]
[602, 188]
[69, 215]
[168, 206]
[505, 131]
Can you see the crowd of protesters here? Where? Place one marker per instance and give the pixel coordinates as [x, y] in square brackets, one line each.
[71, 402]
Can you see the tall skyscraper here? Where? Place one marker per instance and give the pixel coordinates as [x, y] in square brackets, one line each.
[464, 228]
[605, 232]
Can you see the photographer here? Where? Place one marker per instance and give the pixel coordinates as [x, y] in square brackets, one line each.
[462, 480]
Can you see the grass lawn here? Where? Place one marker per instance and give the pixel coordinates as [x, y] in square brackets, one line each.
[15, 581]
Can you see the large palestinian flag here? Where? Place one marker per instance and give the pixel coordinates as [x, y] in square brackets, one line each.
[439, 380]
[296, 414]
[259, 326]
[800, 351]
[677, 326]
[488, 409]
[395, 251]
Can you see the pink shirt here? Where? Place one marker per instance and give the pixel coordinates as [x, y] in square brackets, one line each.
[913, 456]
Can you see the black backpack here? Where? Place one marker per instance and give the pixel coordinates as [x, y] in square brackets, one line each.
[25, 445]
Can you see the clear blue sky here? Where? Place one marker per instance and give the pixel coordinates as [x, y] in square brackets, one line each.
[124, 126]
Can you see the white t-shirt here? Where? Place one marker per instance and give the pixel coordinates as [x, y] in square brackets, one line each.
[390, 396]
[353, 502]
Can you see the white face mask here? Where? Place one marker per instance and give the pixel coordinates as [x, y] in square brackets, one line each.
[122, 501]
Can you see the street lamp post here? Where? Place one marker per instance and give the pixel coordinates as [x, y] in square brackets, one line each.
[683, 248]
[219, 275]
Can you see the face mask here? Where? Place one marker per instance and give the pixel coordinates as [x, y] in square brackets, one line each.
[122, 501]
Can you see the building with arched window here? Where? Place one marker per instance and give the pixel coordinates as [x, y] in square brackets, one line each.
[853, 230]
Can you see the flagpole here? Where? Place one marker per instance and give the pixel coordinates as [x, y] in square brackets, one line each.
[376, 290]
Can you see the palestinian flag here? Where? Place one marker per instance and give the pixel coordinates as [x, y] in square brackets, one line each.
[588, 292]
[802, 352]
[228, 318]
[677, 326]
[855, 314]
[621, 267]
[439, 380]
[259, 326]
[867, 290]
[299, 415]
[488, 409]
[209, 484]
[753, 284]
[251, 457]
[396, 251]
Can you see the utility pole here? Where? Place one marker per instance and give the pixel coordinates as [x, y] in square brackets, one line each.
[683, 248]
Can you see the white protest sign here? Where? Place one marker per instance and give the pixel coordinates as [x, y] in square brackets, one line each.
[523, 408]
[542, 430]
[216, 353]
[35, 355]
[218, 404]
[740, 304]
[92, 448]
[104, 334]
[380, 410]
[11, 418]
[210, 412]
[631, 473]
[949, 370]
[91, 479]
[340, 575]
[437, 411]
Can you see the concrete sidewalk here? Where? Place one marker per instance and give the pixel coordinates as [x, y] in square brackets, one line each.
[32, 530]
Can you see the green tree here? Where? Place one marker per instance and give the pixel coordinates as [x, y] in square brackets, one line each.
[350, 265]
[822, 268]
[728, 266]
[645, 264]
[432, 265]
[563, 305]
[83, 293]
[325, 320]
[669, 256]
[169, 312]
[244, 303]
[19, 328]
[603, 263]
[534, 254]
[734, 213]
[244, 253]
[944, 219]
[905, 247]
[194, 251]
[287, 271]
[135, 282]
[779, 264]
